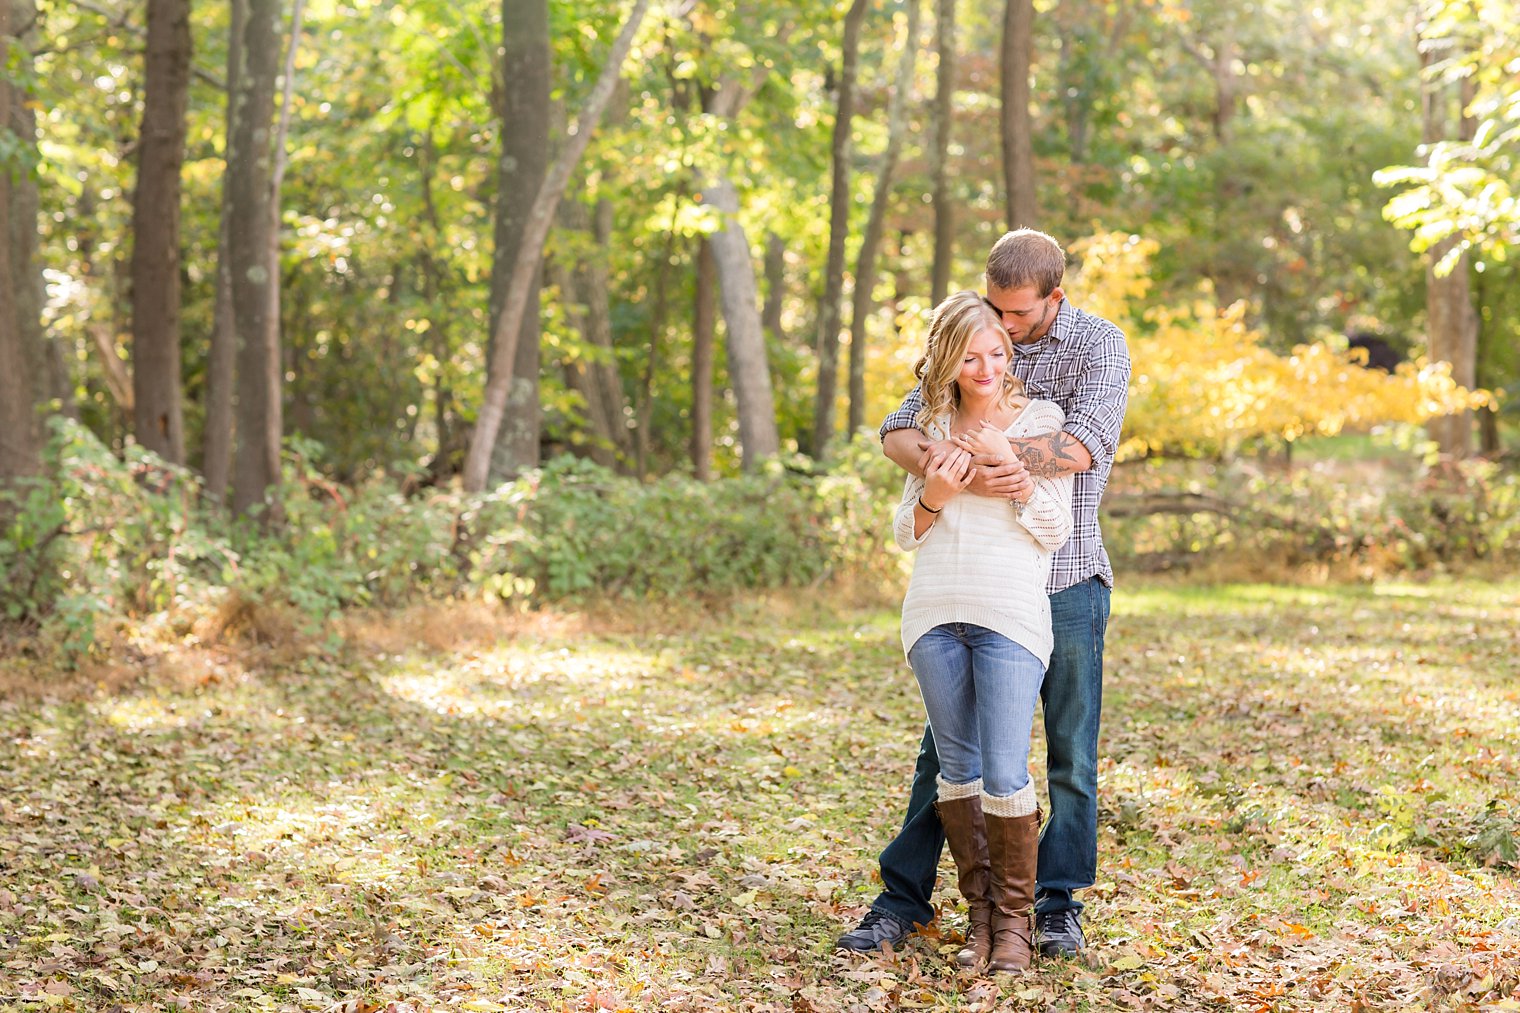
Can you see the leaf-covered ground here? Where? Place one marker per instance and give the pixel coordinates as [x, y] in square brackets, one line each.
[1309, 798]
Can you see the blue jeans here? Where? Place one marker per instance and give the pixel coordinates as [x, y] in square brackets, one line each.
[979, 690]
[1073, 698]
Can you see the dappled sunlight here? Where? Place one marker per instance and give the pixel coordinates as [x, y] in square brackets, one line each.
[518, 683]
[590, 823]
[146, 713]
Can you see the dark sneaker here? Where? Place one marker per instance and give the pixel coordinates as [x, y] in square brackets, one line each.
[875, 931]
[1060, 933]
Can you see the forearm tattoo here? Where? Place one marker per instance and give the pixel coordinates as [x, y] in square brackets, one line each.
[1049, 456]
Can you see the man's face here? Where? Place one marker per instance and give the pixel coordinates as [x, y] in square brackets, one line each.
[1025, 315]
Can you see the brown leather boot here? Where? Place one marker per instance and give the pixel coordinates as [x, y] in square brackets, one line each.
[1013, 847]
[960, 810]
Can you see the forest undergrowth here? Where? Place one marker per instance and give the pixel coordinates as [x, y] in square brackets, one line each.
[1309, 802]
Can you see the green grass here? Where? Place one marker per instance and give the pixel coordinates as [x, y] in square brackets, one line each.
[1307, 798]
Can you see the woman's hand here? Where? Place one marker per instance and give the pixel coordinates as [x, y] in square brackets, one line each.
[987, 441]
[946, 474]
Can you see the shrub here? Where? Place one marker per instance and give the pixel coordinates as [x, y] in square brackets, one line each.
[100, 536]
[574, 529]
[105, 539]
[1162, 515]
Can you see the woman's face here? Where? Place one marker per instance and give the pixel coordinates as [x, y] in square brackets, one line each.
[984, 364]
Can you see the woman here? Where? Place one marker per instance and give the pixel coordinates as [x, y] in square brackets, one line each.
[976, 619]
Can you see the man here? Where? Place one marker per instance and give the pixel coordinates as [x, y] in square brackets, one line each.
[1080, 362]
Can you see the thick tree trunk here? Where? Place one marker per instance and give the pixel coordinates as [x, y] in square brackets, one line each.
[530, 249]
[20, 435]
[748, 365]
[23, 354]
[942, 113]
[839, 226]
[1452, 326]
[1451, 320]
[703, 327]
[158, 414]
[524, 117]
[1018, 130]
[870, 243]
[221, 364]
[257, 51]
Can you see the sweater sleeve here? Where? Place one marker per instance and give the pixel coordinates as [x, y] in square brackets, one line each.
[902, 523]
[1047, 514]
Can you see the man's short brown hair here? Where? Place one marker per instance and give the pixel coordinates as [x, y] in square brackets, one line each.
[1026, 257]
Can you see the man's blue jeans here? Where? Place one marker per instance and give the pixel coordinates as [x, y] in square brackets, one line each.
[1073, 698]
[980, 690]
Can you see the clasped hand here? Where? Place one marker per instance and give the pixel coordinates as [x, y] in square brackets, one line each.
[982, 461]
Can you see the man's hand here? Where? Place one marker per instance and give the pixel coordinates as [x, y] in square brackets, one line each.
[928, 450]
[1003, 477]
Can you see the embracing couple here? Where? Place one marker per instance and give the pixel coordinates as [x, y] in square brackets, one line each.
[1008, 440]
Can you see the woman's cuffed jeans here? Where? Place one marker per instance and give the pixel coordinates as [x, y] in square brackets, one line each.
[1073, 698]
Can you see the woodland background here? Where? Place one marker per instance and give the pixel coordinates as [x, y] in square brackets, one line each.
[290, 287]
[443, 540]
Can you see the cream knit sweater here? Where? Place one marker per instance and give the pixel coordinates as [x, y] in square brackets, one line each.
[983, 562]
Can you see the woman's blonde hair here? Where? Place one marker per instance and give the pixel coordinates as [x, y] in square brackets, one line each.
[956, 321]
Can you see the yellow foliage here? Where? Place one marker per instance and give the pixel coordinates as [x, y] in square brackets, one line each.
[1202, 381]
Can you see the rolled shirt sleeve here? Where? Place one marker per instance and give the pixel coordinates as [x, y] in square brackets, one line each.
[906, 414]
[1095, 413]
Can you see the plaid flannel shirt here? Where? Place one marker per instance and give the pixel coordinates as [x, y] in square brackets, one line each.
[1082, 364]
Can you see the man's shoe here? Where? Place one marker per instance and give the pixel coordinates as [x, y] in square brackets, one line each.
[875, 931]
[1060, 933]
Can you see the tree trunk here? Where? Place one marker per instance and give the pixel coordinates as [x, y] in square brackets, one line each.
[221, 372]
[257, 51]
[839, 226]
[524, 116]
[158, 415]
[118, 381]
[436, 292]
[644, 402]
[578, 372]
[1018, 130]
[584, 291]
[1217, 56]
[274, 419]
[703, 326]
[748, 365]
[1076, 96]
[221, 364]
[870, 243]
[530, 249]
[1490, 444]
[942, 113]
[23, 366]
[605, 372]
[1451, 321]
[775, 287]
